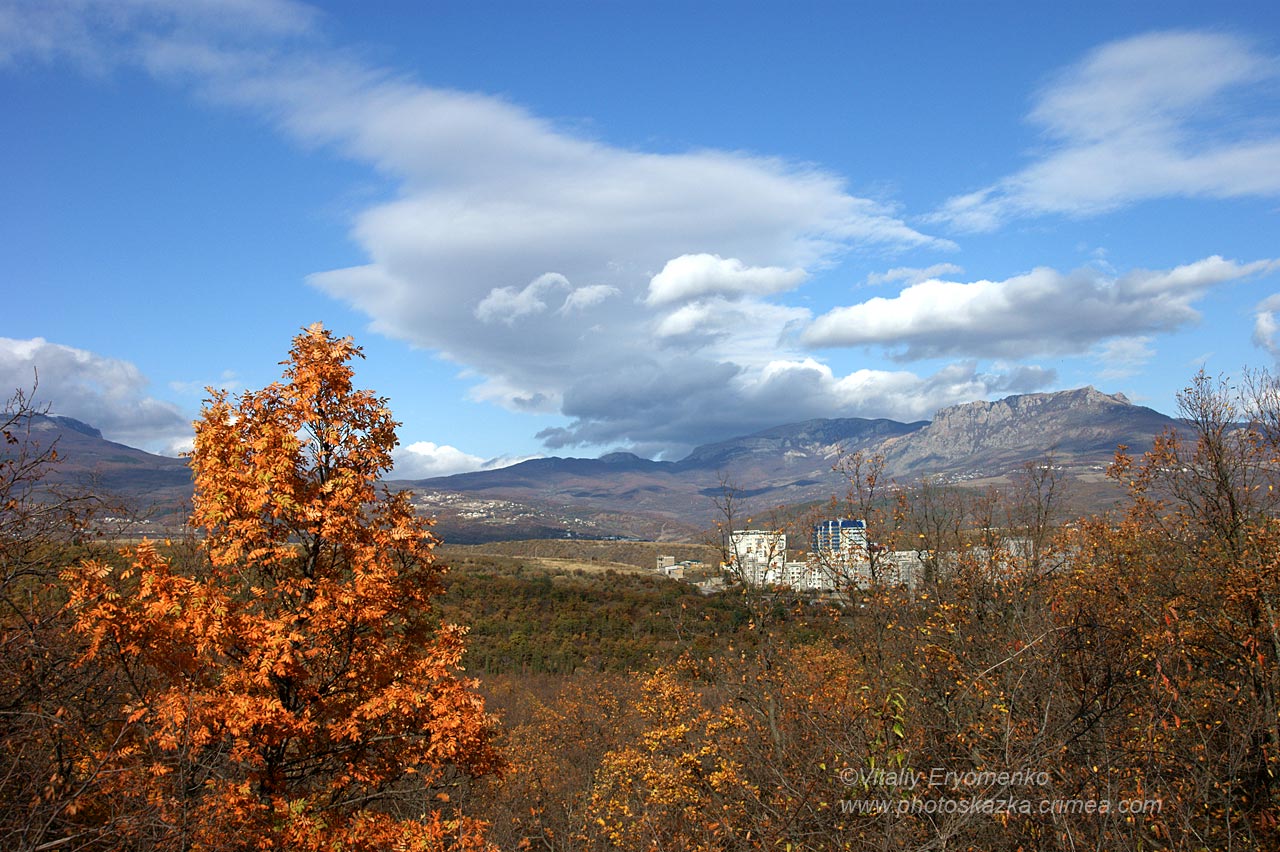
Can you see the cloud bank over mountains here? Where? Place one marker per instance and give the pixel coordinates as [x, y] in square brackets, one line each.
[657, 300]
[108, 393]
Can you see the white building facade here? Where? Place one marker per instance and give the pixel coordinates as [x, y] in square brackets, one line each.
[757, 557]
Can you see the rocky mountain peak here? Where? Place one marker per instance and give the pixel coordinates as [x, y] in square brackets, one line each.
[621, 458]
[1083, 401]
[989, 436]
[77, 426]
[56, 423]
[816, 438]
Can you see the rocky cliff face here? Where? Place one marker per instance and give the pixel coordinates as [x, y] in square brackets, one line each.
[1077, 426]
[815, 440]
[56, 424]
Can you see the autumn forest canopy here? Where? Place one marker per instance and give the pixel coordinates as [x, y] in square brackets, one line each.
[302, 671]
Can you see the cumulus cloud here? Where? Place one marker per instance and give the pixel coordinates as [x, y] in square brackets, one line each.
[423, 459]
[631, 291]
[104, 392]
[1039, 313]
[900, 395]
[1159, 115]
[747, 332]
[1266, 328]
[691, 276]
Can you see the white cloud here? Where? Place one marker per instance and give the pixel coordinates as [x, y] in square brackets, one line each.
[527, 254]
[94, 33]
[1266, 328]
[1165, 114]
[493, 197]
[507, 461]
[586, 297]
[900, 395]
[687, 320]
[692, 276]
[423, 459]
[1041, 312]
[1123, 356]
[107, 393]
[509, 304]
[912, 275]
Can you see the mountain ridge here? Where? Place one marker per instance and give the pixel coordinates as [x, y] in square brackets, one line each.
[1072, 424]
[623, 494]
[974, 442]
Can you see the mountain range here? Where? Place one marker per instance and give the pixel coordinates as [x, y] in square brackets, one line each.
[623, 495]
[974, 443]
[87, 462]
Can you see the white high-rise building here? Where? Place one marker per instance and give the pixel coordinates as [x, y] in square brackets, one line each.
[757, 556]
[808, 576]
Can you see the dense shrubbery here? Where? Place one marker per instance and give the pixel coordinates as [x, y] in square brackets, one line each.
[1110, 685]
[541, 621]
[287, 681]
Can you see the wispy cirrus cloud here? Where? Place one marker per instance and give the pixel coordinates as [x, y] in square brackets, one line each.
[1122, 357]
[1166, 114]
[99, 35]
[913, 275]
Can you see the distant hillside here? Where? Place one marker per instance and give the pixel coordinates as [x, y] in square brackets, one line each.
[637, 554]
[812, 438]
[89, 462]
[973, 442]
[621, 495]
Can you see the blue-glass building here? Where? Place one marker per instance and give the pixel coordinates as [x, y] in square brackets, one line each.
[839, 534]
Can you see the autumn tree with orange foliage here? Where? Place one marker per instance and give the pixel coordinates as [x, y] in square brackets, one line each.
[289, 687]
[1177, 610]
[677, 786]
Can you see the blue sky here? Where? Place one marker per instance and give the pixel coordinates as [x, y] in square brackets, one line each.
[570, 227]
